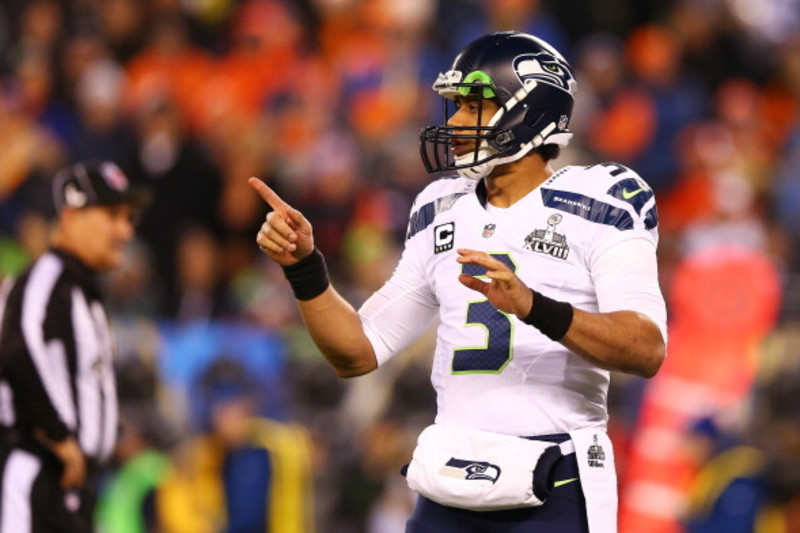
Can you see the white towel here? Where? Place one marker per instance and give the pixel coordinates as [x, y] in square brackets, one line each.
[476, 470]
[598, 477]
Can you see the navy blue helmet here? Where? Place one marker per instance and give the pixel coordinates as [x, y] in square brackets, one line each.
[531, 83]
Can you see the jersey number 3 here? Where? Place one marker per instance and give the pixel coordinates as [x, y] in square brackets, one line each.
[499, 350]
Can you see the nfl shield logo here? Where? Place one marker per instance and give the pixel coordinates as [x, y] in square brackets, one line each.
[488, 231]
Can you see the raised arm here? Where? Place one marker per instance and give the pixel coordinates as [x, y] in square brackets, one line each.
[287, 238]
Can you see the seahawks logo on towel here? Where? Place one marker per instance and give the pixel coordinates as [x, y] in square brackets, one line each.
[466, 469]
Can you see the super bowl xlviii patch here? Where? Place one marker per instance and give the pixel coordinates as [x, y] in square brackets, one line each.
[547, 241]
[596, 455]
[466, 469]
[444, 235]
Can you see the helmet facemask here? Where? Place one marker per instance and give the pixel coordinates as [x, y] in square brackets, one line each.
[490, 142]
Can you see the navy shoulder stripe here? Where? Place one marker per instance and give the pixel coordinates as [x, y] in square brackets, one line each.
[420, 219]
[423, 217]
[589, 208]
[631, 191]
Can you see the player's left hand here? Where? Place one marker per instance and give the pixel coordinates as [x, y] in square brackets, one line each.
[504, 289]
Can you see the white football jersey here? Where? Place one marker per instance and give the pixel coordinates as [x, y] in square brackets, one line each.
[586, 236]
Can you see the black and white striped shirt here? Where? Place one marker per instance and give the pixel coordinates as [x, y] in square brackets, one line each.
[56, 356]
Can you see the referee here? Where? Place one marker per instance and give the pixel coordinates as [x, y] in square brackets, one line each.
[58, 400]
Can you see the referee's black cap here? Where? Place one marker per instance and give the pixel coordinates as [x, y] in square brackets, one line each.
[93, 183]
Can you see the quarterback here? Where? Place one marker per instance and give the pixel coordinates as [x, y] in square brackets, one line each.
[543, 282]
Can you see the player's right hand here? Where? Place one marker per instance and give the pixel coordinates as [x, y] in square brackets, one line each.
[286, 236]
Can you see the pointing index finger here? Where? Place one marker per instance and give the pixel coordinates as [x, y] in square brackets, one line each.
[269, 196]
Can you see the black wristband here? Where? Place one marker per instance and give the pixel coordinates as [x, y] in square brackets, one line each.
[549, 316]
[309, 276]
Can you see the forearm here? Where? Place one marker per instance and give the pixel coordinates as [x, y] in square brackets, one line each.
[624, 341]
[287, 238]
[338, 333]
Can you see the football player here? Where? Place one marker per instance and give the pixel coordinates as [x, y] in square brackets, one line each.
[543, 281]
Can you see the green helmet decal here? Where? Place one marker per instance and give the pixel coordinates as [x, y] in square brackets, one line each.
[478, 77]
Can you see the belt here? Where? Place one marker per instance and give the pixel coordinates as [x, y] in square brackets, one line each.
[562, 439]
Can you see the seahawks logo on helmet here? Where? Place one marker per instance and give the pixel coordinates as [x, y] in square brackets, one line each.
[470, 470]
[545, 68]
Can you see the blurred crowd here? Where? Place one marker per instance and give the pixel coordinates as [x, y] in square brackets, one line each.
[324, 99]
